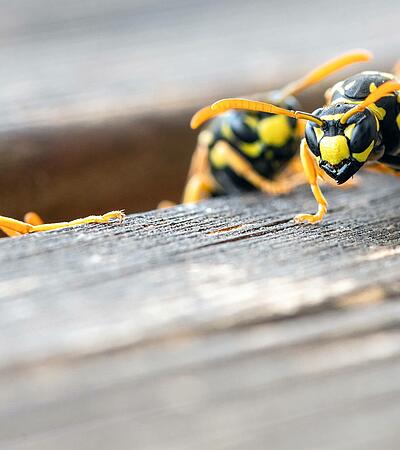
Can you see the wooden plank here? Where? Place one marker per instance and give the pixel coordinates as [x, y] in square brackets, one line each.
[219, 325]
[347, 391]
[93, 90]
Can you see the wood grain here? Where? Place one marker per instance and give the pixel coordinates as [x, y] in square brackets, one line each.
[222, 325]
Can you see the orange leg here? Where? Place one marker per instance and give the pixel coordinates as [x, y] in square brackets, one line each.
[9, 232]
[13, 227]
[199, 183]
[198, 188]
[33, 218]
[382, 168]
[236, 162]
[199, 161]
[30, 217]
[311, 171]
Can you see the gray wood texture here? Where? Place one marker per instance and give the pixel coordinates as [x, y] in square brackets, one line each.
[222, 325]
[93, 90]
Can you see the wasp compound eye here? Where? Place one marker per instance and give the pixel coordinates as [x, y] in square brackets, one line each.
[312, 138]
[362, 132]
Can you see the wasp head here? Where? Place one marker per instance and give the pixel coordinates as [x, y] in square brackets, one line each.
[343, 148]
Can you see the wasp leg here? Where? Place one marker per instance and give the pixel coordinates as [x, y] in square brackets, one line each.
[199, 187]
[13, 227]
[310, 169]
[199, 162]
[166, 204]
[382, 168]
[33, 218]
[243, 168]
[30, 218]
[199, 182]
[9, 232]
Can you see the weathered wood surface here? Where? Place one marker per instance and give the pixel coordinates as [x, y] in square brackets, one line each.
[96, 96]
[222, 326]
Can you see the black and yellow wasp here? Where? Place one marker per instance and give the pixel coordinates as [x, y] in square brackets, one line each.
[360, 124]
[255, 150]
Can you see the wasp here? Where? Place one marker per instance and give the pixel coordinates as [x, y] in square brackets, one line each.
[359, 126]
[250, 150]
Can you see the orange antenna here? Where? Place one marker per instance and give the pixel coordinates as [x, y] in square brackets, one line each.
[326, 69]
[202, 116]
[240, 103]
[384, 89]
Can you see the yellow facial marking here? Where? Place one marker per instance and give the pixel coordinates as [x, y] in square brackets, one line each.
[363, 156]
[334, 149]
[332, 116]
[253, 149]
[398, 120]
[318, 133]
[226, 131]
[275, 130]
[218, 157]
[349, 130]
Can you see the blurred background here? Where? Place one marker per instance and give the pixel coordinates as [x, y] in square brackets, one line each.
[96, 95]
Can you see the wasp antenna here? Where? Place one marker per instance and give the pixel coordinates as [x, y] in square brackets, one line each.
[326, 69]
[202, 116]
[384, 89]
[252, 105]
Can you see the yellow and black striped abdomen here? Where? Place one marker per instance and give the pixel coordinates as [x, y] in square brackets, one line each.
[267, 141]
